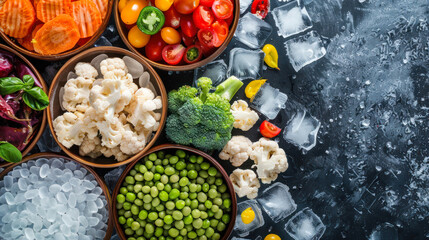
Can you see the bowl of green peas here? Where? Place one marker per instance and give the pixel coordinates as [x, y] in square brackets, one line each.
[174, 193]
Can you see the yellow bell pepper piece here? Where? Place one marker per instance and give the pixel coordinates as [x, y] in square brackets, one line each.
[271, 56]
[248, 215]
[253, 87]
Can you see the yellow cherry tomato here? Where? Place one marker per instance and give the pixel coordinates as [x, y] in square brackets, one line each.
[122, 4]
[163, 5]
[170, 35]
[271, 56]
[137, 38]
[253, 87]
[248, 215]
[272, 237]
[130, 13]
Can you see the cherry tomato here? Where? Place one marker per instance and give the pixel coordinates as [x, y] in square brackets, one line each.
[207, 3]
[207, 50]
[188, 41]
[193, 54]
[154, 48]
[223, 9]
[220, 27]
[272, 237]
[248, 215]
[130, 13]
[203, 17]
[260, 8]
[170, 35]
[137, 38]
[269, 130]
[172, 18]
[206, 37]
[188, 26]
[163, 5]
[122, 4]
[229, 20]
[173, 54]
[186, 6]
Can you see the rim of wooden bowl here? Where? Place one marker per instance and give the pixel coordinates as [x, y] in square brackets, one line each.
[42, 125]
[119, 51]
[12, 42]
[206, 156]
[122, 32]
[99, 180]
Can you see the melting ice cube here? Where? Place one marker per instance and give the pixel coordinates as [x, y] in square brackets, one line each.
[304, 50]
[291, 19]
[243, 229]
[302, 130]
[252, 31]
[269, 101]
[244, 5]
[215, 70]
[277, 202]
[305, 225]
[246, 64]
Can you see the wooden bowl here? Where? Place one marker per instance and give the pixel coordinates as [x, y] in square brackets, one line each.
[13, 43]
[123, 32]
[100, 181]
[174, 147]
[39, 131]
[54, 108]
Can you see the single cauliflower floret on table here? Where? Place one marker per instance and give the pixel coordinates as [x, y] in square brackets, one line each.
[269, 158]
[237, 150]
[245, 183]
[68, 128]
[244, 117]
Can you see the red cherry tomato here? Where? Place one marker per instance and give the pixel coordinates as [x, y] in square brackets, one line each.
[260, 8]
[229, 20]
[207, 3]
[203, 17]
[154, 48]
[172, 18]
[207, 50]
[223, 9]
[269, 130]
[193, 54]
[221, 30]
[173, 54]
[186, 6]
[188, 41]
[188, 26]
[206, 37]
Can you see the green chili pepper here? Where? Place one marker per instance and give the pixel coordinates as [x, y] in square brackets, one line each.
[150, 20]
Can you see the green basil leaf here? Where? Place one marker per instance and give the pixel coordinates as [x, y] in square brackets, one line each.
[28, 81]
[9, 152]
[10, 85]
[36, 98]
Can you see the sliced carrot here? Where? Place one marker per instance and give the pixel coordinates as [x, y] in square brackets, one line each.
[26, 41]
[49, 9]
[102, 6]
[17, 18]
[87, 17]
[35, 2]
[56, 36]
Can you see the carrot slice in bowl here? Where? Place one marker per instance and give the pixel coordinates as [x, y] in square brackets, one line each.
[17, 18]
[102, 6]
[49, 9]
[87, 17]
[56, 36]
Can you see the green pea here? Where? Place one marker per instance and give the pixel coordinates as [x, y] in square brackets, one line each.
[194, 204]
[130, 221]
[143, 169]
[175, 185]
[214, 223]
[140, 195]
[216, 236]
[173, 160]
[165, 162]
[177, 215]
[156, 177]
[130, 188]
[169, 171]
[160, 154]
[149, 228]
[145, 189]
[193, 187]
[148, 176]
[138, 177]
[122, 220]
[127, 206]
[180, 165]
[173, 232]
[208, 204]
[209, 232]
[218, 214]
[170, 205]
[160, 186]
[193, 195]
[134, 210]
[135, 226]
[138, 202]
[202, 197]
[227, 203]
[186, 211]
[149, 164]
[203, 174]
[184, 181]
[129, 180]
[196, 213]
[154, 191]
[143, 214]
[212, 193]
[204, 215]
[183, 195]
[167, 188]
[221, 226]
[218, 182]
[129, 231]
[168, 219]
[157, 162]
[159, 231]
[153, 156]
[222, 188]
[120, 198]
[128, 214]
[200, 180]
[181, 153]
[192, 174]
[147, 198]
[180, 204]
[200, 232]
[138, 188]
[163, 195]
[197, 223]
[215, 208]
[173, 194]
[183, 231]
[121, 212]
[147, 206]
[188, 219]
[206, 224]
[133, 172]
[160, 208]
[179, 224]
[152, 216]
[174, 178]
[156, 202]
[192, 235]
[123, 190]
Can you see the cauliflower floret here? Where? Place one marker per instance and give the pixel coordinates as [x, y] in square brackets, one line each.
[68, 128]
[244, 117]
[141, 109]
[116, 152]
[128, 89]
[245, 183]
[90, 120]
[90, 147]
[76, 94]
[269, 158]
[132, 142]
[104, 97]
[111, 132]
[85, 70]
[237, 150]
[115, 66]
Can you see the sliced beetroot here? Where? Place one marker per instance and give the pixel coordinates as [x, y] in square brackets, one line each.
[18, 137]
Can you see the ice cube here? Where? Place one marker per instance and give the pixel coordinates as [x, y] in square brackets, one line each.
[301, 130]
[243, 229]
[246, 64]
[252, 31]
[269, 101]
[305, 225]
[291, 19]
[304, 50]
[385, 231]
[244, 5]
[277, 201]
[215, 70]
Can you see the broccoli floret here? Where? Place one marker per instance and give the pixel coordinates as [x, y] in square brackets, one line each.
[190, 112]
[177, 98]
